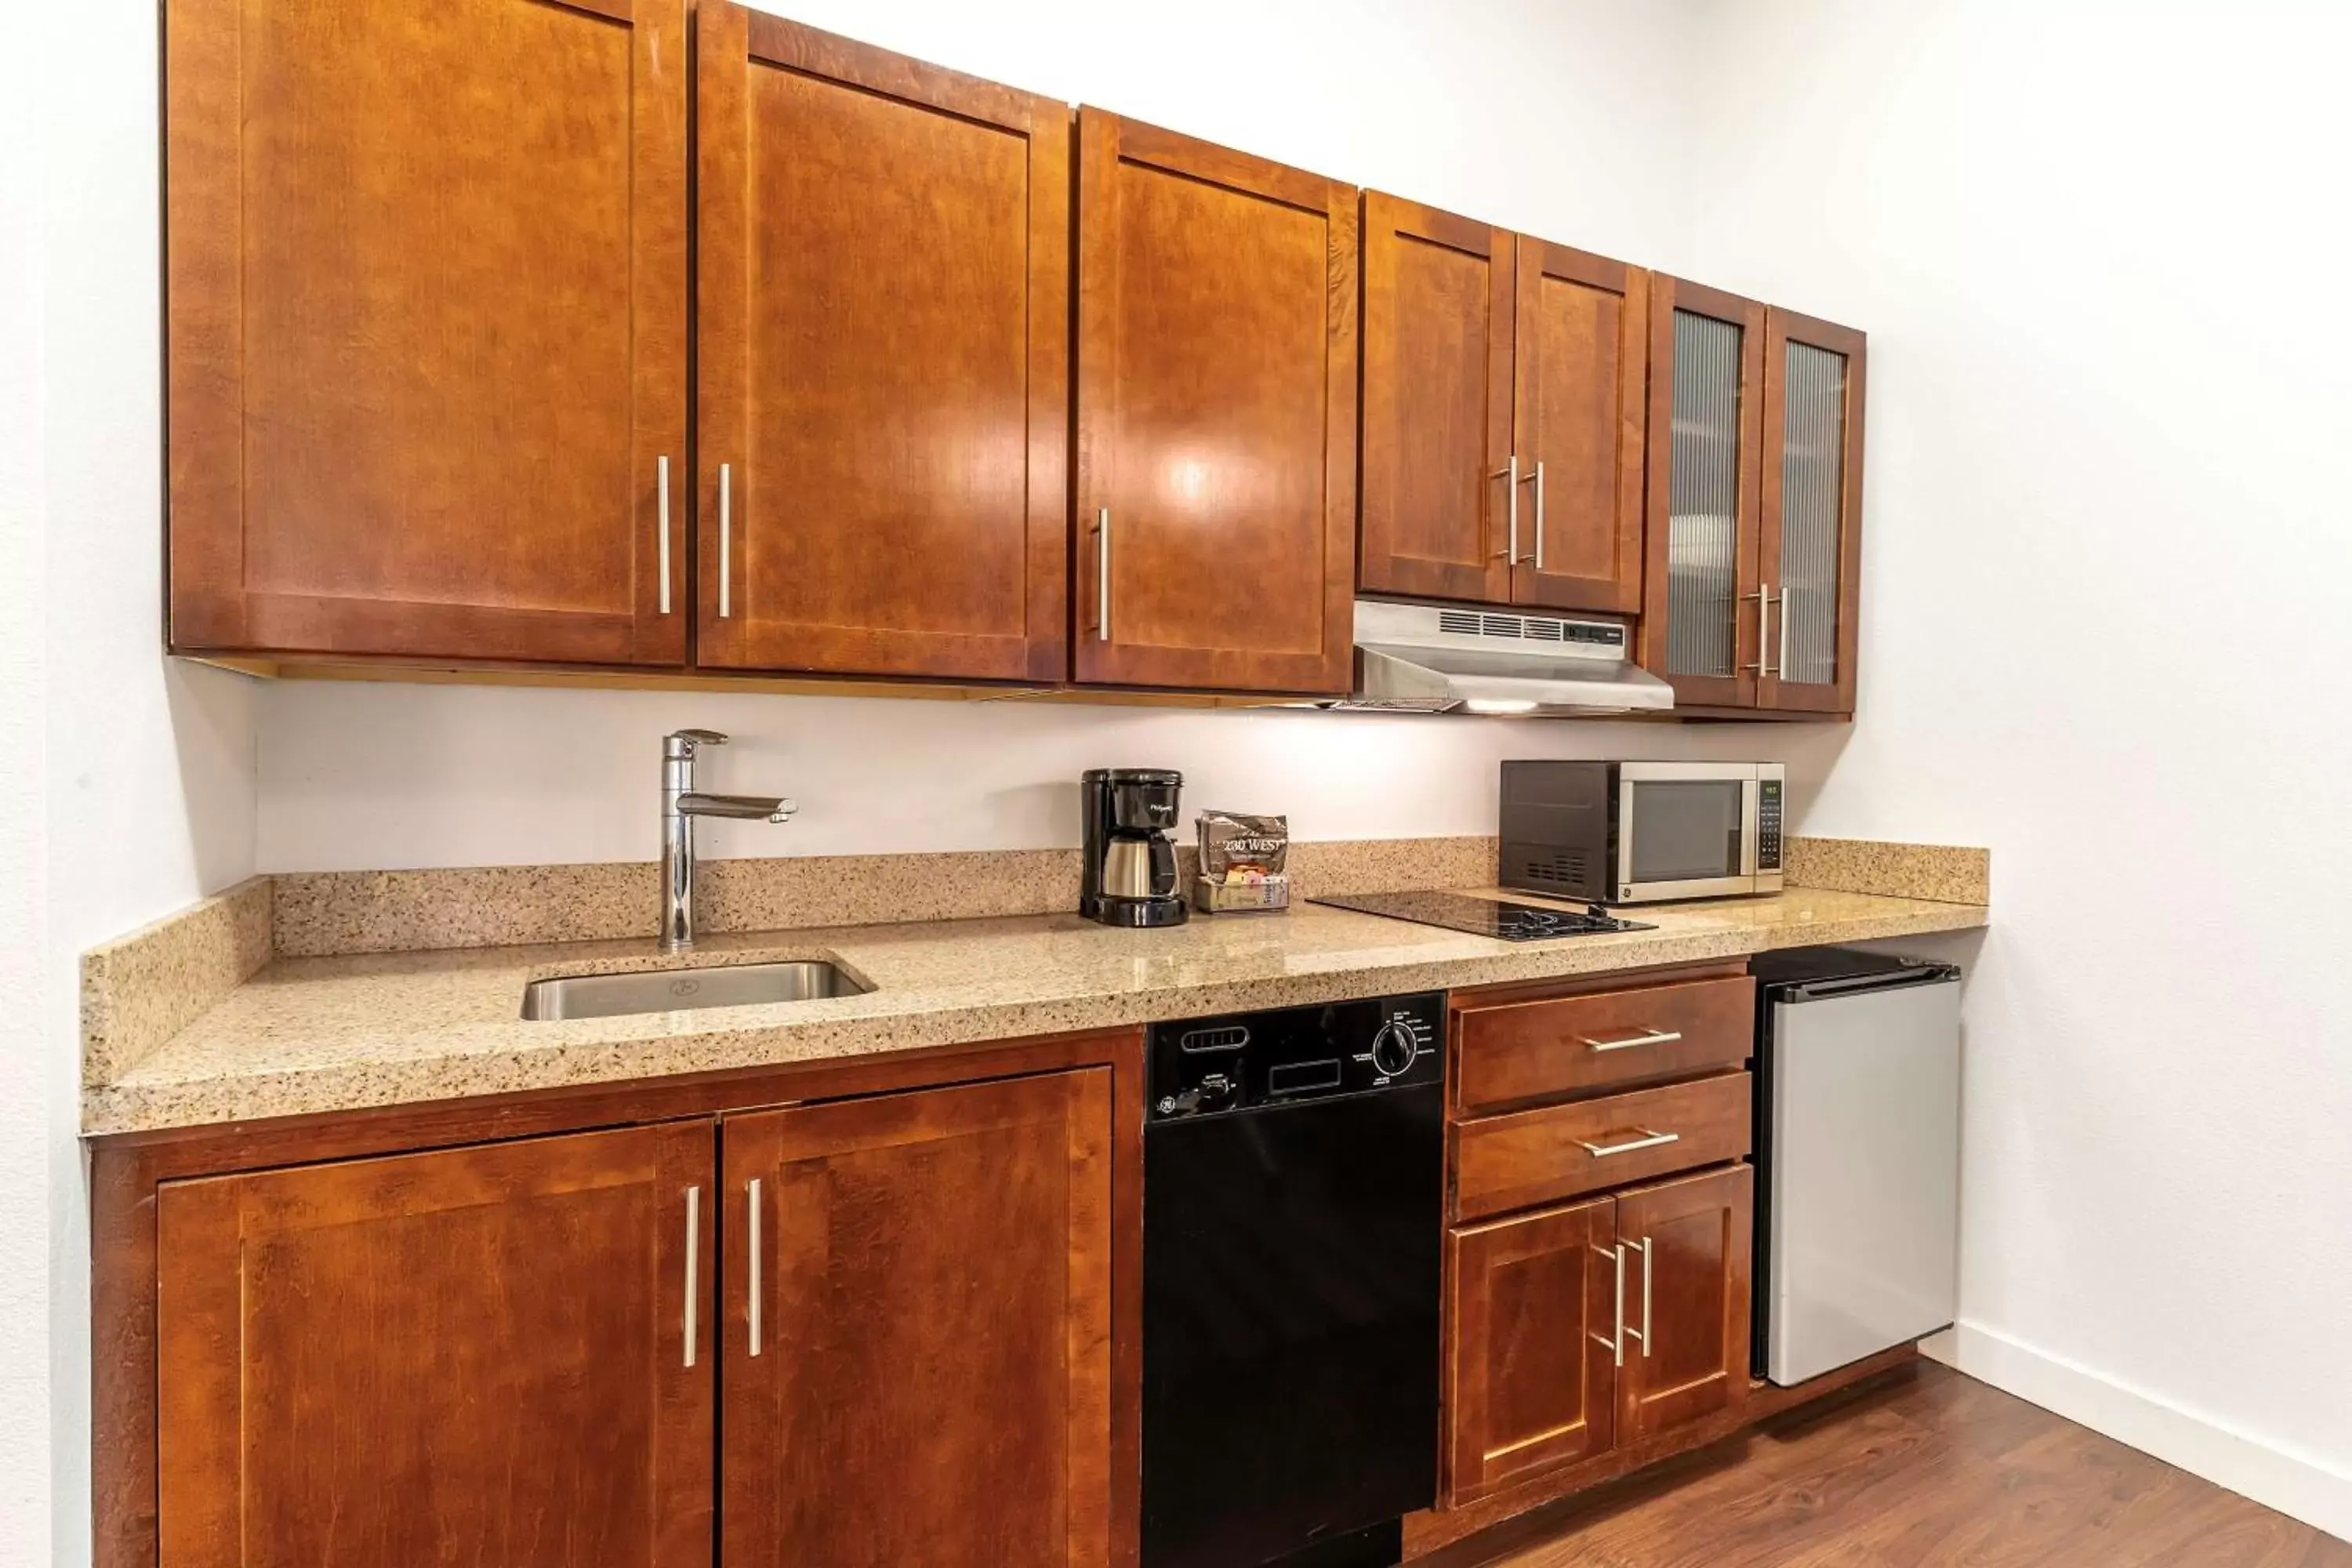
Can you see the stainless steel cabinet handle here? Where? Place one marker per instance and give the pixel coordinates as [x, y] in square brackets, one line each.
[726, 541]
[1643, 1333]
[751, 1297]
[1639, 1038]
[661, 513]
[1782, 672]
[1511, 471]
[1763, 666]
[1648, 1140]
[1102, 575]
[1539, 512]
[693, 1269]
[1616, 1342]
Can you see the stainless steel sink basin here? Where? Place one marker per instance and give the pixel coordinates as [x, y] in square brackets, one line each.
[674, 990]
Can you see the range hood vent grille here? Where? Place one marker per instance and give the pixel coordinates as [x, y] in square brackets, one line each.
[1529, 628]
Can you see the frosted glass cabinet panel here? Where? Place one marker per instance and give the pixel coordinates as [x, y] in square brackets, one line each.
[1812, 512]
[1703, 499]
[1700, 613]
[1813, 449]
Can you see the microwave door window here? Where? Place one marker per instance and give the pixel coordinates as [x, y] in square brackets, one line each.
[1685, 831]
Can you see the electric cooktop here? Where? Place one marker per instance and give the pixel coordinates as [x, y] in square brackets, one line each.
[1484, 917]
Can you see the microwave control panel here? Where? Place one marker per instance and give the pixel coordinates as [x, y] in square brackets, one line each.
[1768, 826]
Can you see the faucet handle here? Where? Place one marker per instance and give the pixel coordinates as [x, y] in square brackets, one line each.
[681, 743]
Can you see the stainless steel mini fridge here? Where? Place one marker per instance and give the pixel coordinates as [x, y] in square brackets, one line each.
[1858, 1156]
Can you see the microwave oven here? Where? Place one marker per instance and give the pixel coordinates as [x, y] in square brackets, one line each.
[1637, 832]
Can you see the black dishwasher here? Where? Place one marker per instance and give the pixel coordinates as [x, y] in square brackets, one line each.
[1292, 1192]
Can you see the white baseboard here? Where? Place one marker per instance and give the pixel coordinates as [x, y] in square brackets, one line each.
[2295, 1484]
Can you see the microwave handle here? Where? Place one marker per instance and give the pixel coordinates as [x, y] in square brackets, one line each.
[1751, 803]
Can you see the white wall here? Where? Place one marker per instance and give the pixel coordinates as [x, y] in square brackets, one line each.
[379, 777]
[25, 1108]
[2100, 252]
[126, 785]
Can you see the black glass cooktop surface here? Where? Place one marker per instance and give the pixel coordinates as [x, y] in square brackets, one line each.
[1484, 917]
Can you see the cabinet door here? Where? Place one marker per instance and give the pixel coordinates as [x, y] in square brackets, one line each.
[1701, 605]
[1532, 1313]
[883, 361]
[1583, 355]
[1216, 417]
[1438, 299]
[1811, 534]
[477, 1355]
[1687, 1247]
[919, 1329]
[427, 296]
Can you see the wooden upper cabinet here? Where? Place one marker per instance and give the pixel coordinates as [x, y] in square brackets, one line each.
[1810, 539]
[883, 370]
[1702, 611]
[425, 264]
[473, 1355]
[1579, 427]
[1688, 1245]
[1504, 414]
[1439, 299]
[919, 1328]
[1216, 417]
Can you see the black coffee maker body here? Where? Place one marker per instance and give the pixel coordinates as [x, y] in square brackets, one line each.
[1130, 877]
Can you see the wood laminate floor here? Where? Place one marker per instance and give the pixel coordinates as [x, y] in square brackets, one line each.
[1927, 1467]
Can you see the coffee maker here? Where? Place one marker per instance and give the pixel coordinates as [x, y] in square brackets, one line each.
[1130, 877]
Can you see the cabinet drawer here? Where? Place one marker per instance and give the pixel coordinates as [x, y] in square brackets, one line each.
[1514, 1052]
[1503, 1162]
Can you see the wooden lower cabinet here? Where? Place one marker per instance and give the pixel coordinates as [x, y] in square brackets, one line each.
[918, 1342]
[521, 1354]
[1687, 1270]
[1598, 1324]
[471, 1355]
[1528, 1367]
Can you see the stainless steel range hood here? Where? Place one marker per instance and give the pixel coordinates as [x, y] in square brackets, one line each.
[1419, 658]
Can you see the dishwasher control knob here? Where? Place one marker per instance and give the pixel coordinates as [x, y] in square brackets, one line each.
[1394, 1050]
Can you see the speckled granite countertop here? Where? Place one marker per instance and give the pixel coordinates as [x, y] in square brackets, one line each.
[309, 1035]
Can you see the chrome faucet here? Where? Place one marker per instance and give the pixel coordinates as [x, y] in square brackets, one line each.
[681, 804]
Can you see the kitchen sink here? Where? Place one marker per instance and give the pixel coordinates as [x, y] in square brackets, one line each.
[676, 990]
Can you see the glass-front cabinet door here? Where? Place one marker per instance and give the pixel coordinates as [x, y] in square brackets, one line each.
[1812, 535]
[1754, 522]
[1702, 606]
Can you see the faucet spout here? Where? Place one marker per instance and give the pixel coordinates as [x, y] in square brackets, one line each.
[681, 804]
[741, 807]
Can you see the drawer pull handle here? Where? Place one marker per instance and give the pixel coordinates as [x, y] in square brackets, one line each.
[1615, 1344]
[1648, 1140]
[1639, 1038]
